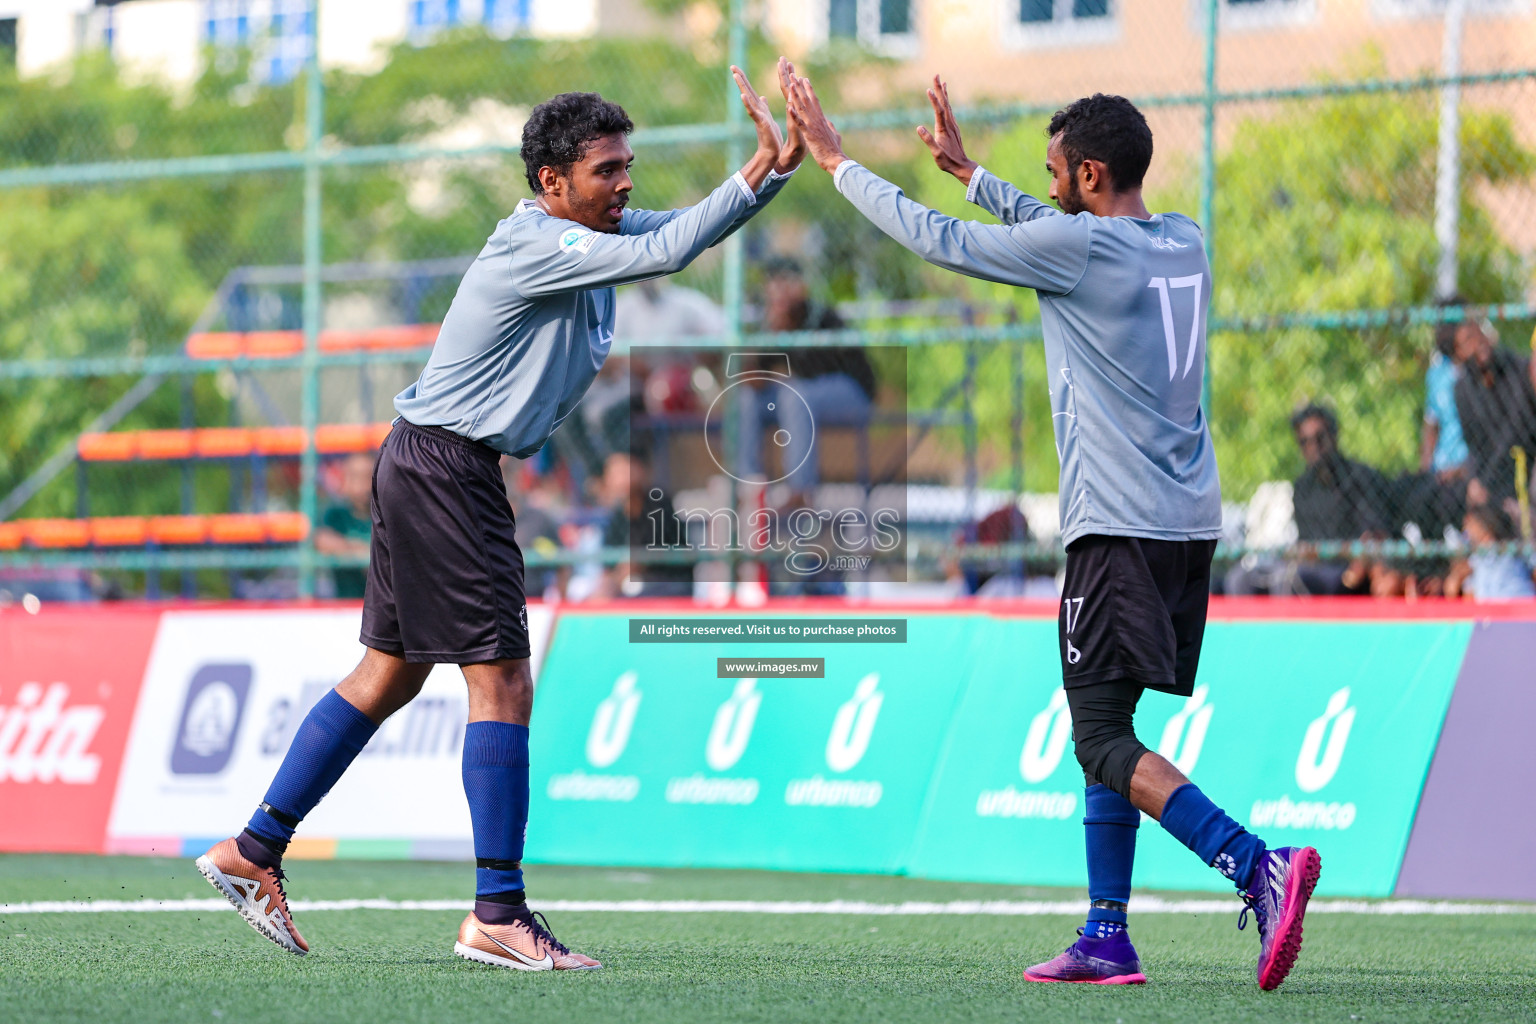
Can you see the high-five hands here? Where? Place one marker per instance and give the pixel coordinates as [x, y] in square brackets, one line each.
[769, 140]
[821, 137]
[788, 152]
[944, 140]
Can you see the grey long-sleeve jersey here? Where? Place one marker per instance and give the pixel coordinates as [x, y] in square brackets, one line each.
[532, 321]
[1123, 306]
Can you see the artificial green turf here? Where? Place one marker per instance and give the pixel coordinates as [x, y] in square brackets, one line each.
[375, 966]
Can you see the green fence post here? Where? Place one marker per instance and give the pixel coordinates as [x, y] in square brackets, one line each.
[735, 267]
[314, 117]
[1208, 168]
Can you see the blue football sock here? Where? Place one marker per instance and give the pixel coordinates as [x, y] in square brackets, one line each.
[1110, 825]
[331, 735]
[1191, 818]
[496, 783]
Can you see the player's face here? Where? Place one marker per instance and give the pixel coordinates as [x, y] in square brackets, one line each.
[598, 188]
[1064, 188]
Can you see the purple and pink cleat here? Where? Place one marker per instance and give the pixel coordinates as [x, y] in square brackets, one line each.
[1282, 885]
[1110, 961]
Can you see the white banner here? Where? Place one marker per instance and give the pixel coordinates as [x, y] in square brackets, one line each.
[224, 694]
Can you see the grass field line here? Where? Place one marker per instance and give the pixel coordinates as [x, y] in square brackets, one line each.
[991, 908]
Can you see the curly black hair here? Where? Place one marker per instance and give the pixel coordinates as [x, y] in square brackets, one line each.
[559, 130]
[1109, 129]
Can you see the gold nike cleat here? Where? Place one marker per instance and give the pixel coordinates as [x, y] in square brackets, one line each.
[255, 891]
[524, 945]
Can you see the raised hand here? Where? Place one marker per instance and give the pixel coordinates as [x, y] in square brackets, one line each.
[821, 137]
[793, 151]
[944, 140]
[769, 139]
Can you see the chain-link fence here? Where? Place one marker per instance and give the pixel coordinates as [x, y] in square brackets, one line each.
[213, 281]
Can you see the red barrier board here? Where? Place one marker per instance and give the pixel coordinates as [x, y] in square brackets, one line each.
[69, 683]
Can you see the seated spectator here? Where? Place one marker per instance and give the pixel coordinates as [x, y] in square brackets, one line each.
[346, 525]
[1434, 499]
[837, 385]
[1005, 525]
[1442, 449]
[535, 515]
[1335, 499]
[1496, 401]
[643, 519]
[1489, 574]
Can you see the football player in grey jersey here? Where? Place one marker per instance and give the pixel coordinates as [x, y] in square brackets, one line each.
[527, 332]
[1124, 295]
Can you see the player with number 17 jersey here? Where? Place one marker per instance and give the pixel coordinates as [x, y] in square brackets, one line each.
[1124, 295]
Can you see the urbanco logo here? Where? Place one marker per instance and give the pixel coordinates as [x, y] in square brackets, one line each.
[1316, 765]
[1046, 740]
[732, 729]
[854, 724]
[613, 721]
[1184, 734]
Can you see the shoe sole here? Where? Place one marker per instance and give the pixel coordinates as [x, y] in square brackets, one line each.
[1118, 979]
[480, 956]
[1306, 867]
[219, 881]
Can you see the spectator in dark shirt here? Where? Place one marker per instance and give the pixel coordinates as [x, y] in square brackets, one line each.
[643, 519]
[1334, 499]
[346, 525]
[826, 386]
[1497, 405]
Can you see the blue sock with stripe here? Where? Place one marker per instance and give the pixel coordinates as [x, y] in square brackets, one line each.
[496, 783]
[1109, 825]
[1191, 818]
[330, 737]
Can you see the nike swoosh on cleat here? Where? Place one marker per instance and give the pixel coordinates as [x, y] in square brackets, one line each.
[548, 960]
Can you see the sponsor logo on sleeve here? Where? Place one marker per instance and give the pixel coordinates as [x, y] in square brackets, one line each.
[578, 240]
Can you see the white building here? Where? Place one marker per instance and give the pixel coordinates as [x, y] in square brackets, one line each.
[169, 38]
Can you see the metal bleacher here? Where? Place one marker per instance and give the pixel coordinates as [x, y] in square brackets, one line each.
[247, 449]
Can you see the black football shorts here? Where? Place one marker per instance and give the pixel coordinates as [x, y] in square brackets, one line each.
[445, 575]
[1133, 609]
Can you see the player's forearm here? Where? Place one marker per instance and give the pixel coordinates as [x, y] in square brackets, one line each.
[609, 260]
[756, 170]
[944, 241]
[772, 187]
[1005, 201]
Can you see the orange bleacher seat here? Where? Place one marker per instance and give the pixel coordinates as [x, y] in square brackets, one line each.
[11, 535]
[57, 533]
[379, 431]
[276, 344]
[165, 444]
[178, 529]
[119, 531]
[222, 442]
[331, 438]
[118, 447]
[400, 336]
[216, 345]
[286, 527]
[273, 344]
[279, 440]
[237, 529]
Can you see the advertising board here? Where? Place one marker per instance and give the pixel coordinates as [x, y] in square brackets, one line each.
[223, 694]
[69, 682]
